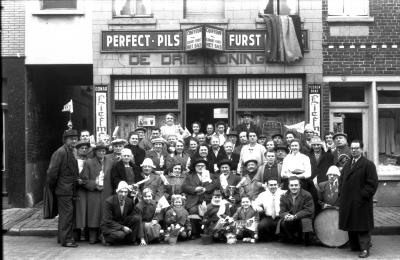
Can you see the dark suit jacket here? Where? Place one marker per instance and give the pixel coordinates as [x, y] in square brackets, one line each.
[303, 206]
[118, 173]
[235, 160]
[253, 127]
[357, 187]
[320, 168]
[138, 154]
[63, 172]
[216, 159]
[112, 218]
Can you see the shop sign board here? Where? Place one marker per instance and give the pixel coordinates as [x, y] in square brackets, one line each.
[146, 120]
[214, 38]
[315, 106]
[101, 111]
[194, 38]
[245, 40]
[221, 112]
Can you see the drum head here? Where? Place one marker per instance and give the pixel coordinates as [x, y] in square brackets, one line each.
[326, 227]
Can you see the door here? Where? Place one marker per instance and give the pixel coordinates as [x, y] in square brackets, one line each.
[209, 113]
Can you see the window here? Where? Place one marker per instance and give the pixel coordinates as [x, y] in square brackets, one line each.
[208, 88]
[347, 94]
[59, 4]
[145, 89]
[348, 8]
[270, 88]
[282, 7]
[129, 8]
[200, 9]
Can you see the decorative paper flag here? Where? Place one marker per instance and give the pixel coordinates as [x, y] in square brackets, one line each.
[162, 203]
[299, 127]
[115, 132]
[69, 107]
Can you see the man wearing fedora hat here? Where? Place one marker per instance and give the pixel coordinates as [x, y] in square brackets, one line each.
[62, 178]
[342, 149]
[121, 222]
[248, 124]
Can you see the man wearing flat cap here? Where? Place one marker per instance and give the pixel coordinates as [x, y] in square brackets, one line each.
[342, 152]
[121, 222]
[158, 154]
[117, 146]
[248, 124]
[251, 179]
[144, 143]
[62, 178]
[277, 138]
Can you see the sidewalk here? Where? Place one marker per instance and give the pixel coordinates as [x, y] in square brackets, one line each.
[30, 222]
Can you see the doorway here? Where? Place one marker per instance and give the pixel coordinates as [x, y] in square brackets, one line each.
[206, 113]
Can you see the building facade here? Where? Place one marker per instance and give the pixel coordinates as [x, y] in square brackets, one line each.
[362, 77]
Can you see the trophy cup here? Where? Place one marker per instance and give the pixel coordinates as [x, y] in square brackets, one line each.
[231, 192]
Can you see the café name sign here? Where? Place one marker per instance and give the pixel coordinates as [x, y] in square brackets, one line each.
[202, 37]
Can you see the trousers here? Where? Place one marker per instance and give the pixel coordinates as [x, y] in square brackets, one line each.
[66, 219]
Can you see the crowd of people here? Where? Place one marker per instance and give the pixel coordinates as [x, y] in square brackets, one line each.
[222, 187]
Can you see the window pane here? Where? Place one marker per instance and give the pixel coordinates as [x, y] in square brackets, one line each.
[146, 89]
[131, 7]
[55, 4]
[208, 88]
[335, 7]
[347, 94]
[389, 143]
[389, 97]
[356, 7]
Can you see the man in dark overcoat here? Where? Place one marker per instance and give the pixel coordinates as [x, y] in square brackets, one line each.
[248, 125]
[62, 177]
[357, 186]
[121, 222]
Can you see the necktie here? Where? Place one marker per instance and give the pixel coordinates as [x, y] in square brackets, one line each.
[273, 213]
[352, 163]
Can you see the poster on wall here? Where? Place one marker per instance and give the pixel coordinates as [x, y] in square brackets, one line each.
[147, 120]
[315, 107]
[101, 111]
[221, 112]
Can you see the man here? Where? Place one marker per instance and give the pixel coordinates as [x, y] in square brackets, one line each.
[306, 142]
[248, 125]
[342, 152]
[228, 182]
[62, 178]
[155, 133]
[220, 133]
[117, 146]
[296, 212]
[251, 179]
[158, 155]
[201, 138]
[85, 136]
[268, 203]
[243, 140]
[106, 140]
[209, 132]
[121, 222]
[328, 191]
[217, 153]
[289, 137]
[281, 152]
[233, 137]
[252, 150]
[262, 139]
[277, 138]
[143, 142]
[330, 145]
[196, 126]
[357, 186]
[320, 160]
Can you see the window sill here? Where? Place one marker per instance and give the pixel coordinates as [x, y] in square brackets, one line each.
[260, 20]
[204, 21]
[48, 12]
[132, 20]
[350, 19]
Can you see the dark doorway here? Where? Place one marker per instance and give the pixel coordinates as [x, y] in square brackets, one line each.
[353, 126]
[205, 114]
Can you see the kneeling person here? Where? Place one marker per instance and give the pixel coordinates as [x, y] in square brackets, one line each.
[296, 212]
[121, 223]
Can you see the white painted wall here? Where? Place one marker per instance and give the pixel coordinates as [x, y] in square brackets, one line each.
[58, 36]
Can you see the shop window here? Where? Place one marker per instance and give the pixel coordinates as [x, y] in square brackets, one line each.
[131, 8]
[208, 88]
[59, 4]
[200, 9]
[348, 8]
[347, 94]
[145, 89]
[281, 7]
[270, 88]
[389, 97]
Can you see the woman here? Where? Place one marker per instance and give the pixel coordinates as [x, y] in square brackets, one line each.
[202, 153]
[125, 170]
[158, 155]
[179, 156]
[138, 153]
[170, 128]
[192, 147]
[175, 179]
[93, 178]
[154, 181]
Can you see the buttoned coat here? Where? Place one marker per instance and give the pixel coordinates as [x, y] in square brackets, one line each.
[320, 167]
[95, 197]
[357, 186]
[118, 174]
[155, 184]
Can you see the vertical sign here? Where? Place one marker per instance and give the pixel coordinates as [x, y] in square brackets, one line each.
[315, 106]
[101, 110]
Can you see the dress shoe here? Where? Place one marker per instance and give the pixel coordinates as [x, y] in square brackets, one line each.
[364, 254]
[70, 244]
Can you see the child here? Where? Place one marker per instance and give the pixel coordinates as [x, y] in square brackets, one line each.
[176, 220]
[246, 221]
[147, 208]
[216, 218]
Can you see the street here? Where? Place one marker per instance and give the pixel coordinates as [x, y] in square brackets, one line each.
[24, 247]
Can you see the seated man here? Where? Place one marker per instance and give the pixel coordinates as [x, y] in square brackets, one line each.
[121, 223]
[328, 190]
[268, 203]
[296, 212]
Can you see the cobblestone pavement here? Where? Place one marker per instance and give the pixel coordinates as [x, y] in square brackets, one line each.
[28, 247]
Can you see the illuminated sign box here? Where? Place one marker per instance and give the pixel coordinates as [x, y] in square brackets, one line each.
[204, 37]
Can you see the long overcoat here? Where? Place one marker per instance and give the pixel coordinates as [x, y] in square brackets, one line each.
[95, 198]
[357, 186]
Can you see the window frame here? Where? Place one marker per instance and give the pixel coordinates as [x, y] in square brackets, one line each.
[73, 2]
[334, 12]
[262, 6]
[115, 15]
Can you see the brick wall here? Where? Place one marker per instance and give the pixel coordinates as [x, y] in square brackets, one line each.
[376, 52]
[13, 28]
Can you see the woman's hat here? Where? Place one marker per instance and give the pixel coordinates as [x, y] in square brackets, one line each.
[199, 160]
[148, 162]
[333, 170]
[122, 185]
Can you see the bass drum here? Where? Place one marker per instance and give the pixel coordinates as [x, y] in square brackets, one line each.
[326, 226]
